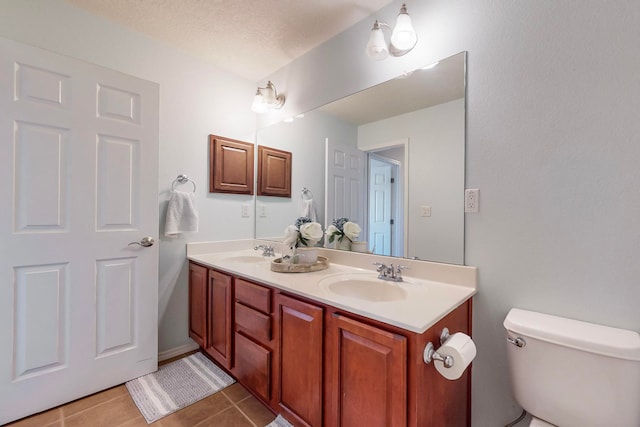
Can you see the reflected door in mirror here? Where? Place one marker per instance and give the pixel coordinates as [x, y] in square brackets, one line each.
[347, 180]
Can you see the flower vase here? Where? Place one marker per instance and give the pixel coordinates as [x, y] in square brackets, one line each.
[343, 244]
[305, 255]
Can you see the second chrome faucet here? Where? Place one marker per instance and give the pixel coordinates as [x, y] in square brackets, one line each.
[390, 272]
[267, 250]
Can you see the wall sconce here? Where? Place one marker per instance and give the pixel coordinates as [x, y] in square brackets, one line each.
[403, 37]
[266, 99]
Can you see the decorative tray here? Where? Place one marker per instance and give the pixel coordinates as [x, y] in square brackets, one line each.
[280, 266]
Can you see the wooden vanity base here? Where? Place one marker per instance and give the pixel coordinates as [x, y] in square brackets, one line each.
[322, 366]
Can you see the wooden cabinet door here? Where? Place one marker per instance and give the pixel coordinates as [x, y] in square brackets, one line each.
[367, 378]
[253, 366]
[197, 303]
[299, 370]
[274, 172]
[219, 326]
[230, 166]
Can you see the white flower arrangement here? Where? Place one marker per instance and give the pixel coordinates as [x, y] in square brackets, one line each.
[304, 232]
[343, 228]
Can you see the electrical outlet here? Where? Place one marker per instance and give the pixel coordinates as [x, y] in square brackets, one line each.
[263, 210]
[245, 210]
[471, 200]
[425, 210]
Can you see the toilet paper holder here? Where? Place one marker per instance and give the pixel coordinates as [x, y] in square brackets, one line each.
[429, 354]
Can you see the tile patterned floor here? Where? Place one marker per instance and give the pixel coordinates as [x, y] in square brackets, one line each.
[232, 407]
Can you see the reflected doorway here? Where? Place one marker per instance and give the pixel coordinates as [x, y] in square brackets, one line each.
[386, 201]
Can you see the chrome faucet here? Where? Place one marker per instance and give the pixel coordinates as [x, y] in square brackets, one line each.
[390, 272]
[267, 250]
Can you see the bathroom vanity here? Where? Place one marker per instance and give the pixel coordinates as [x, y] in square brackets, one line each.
[326, 357]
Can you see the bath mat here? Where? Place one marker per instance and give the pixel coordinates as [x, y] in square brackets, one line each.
[279, 422]
[177, 385]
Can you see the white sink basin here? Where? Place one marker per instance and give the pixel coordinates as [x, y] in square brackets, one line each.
[363, 286]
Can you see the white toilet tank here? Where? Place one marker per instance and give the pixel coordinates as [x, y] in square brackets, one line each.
[574, 374]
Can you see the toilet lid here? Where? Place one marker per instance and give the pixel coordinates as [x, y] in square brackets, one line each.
[537, 422]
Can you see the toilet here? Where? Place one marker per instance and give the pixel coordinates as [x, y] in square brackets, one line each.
[569, 373]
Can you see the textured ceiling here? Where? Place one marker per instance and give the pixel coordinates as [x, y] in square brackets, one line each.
[251, 38]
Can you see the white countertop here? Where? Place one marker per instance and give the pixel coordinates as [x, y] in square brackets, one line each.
[432, 290]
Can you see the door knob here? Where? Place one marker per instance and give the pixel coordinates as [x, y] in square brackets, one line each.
[145, 242]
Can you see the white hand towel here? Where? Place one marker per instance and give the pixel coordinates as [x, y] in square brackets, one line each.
[309, 209]
[181, 213]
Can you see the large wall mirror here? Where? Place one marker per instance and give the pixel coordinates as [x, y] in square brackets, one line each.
[390, 158]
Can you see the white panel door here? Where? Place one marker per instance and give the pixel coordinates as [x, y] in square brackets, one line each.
[78, 182]
[345, 184]
[380, 208]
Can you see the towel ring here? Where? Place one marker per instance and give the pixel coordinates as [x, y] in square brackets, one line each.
[182, 179]
[308, 193]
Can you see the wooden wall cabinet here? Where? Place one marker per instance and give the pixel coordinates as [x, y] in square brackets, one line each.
[274, 172]
[230, 166]
[320, 366]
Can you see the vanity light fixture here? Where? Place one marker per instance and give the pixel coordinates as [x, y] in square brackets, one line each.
[266, 99]
[403, 37]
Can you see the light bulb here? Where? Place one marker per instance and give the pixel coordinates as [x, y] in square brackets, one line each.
[377, 46]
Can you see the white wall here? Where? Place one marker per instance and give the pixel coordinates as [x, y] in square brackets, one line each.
[436, 176]
[196, 99]
[552, 144]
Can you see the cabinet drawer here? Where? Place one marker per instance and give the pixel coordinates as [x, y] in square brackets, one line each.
[253, 323]
[253, 295]
[253, 366]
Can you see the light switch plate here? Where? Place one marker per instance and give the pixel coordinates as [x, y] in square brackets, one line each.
[425, 210]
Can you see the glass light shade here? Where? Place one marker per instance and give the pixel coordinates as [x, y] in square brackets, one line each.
[259, 106]
[404, 37]
[377, 46]
[269, 95]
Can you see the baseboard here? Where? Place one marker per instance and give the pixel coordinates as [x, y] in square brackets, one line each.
[177, 351]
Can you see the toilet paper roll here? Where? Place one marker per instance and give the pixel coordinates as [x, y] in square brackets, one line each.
[462, 349]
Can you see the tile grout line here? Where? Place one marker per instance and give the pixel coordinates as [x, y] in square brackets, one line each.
[92, 406]
[233, 405]
[241, 411]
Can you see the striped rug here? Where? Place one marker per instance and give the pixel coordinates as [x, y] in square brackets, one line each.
[280, 421]
[176, 385]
